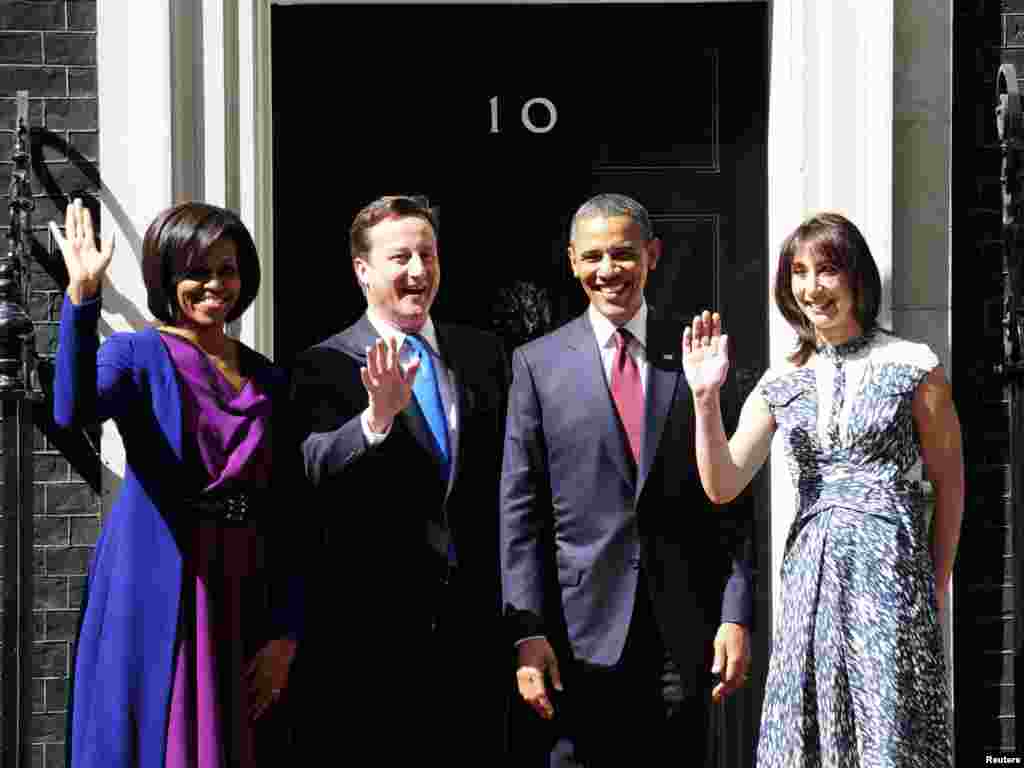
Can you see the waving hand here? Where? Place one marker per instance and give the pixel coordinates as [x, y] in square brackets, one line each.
[85, 263]
[705, 354]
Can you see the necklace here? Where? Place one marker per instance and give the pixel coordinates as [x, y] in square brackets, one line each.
[849, 347]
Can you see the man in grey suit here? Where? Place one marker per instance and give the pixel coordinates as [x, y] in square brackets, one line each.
[621, 583]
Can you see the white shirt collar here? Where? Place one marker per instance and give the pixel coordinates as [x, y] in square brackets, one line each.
[386, 331]
[604, 328]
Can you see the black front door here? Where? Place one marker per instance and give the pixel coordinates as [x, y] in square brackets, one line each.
[508, 117]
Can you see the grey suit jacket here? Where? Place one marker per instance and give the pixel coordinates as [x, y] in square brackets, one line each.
[579, 519]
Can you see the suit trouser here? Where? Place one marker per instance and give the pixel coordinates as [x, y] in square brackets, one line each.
[386, 691]
[633, 713]
[464, 701]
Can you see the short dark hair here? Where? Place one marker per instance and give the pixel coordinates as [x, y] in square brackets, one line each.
[836, 238]
[180, 239]
[387, 207]
[609, 204]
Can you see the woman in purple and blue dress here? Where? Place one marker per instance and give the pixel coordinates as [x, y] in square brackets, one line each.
[857, 677]
[191, 616]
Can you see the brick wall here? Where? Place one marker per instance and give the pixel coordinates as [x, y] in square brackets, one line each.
[48, 47]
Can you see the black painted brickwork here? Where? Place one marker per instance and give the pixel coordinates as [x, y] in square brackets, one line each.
[48, 47]
[987, 600]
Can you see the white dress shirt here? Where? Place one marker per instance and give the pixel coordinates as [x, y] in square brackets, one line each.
[604, 330]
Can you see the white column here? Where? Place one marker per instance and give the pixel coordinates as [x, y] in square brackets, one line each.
[829, 147]
[788, 164]
[922, 131]
[135, 141]
[238, 152]
[215, 63]
[187, 113]
[134, 73]
[255, 161]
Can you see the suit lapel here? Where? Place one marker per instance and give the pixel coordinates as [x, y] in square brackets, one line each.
[595, 395]
[452, 358]
[355, 340]
[661, 389]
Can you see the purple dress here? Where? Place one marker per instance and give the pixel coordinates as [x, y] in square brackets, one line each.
[224, 597]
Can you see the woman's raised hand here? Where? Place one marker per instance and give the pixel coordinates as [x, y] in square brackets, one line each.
[705, 354]
[85, 263]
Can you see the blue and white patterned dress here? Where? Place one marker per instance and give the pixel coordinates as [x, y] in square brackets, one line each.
[857, 677]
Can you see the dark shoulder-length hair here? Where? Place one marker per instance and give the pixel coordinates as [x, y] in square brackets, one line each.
[835, 238]
[179, 240]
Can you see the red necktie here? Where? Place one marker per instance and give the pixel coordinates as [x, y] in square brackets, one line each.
[628, 392]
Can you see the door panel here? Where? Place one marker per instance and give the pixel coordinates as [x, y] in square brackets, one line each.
[688, 275]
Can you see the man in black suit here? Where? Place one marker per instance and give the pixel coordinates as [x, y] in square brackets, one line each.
[404, 421]
[623, 587]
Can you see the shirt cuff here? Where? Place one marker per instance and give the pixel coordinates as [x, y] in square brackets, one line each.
[522, 640]
[373, 438]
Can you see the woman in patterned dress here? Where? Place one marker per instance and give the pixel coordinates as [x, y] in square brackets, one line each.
[857, 675]
[185, 638]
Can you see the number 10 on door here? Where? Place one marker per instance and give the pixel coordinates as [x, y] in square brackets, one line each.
[543, 125]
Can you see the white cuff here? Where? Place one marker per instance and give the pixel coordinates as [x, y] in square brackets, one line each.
[522, 640]
[373, 438]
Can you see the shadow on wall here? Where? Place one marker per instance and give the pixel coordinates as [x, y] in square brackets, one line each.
[82, 180]
[79, 179]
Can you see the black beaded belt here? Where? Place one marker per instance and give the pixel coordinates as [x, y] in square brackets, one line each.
[238, 508]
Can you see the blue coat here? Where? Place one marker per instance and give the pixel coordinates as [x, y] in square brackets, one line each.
[122, 673]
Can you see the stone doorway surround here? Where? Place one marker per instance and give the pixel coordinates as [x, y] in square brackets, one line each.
[185, 110]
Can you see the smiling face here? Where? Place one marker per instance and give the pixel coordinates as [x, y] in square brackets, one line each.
[401, 271]
[611, 259]
[823, 292]
[210, 289]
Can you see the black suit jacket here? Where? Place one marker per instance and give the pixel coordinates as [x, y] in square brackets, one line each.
[383, 505]
[579, 519]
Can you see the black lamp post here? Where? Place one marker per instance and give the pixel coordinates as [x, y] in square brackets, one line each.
[19, 389]
[17, 350]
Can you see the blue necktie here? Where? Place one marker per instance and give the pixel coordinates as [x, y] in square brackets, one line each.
[428, 394]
